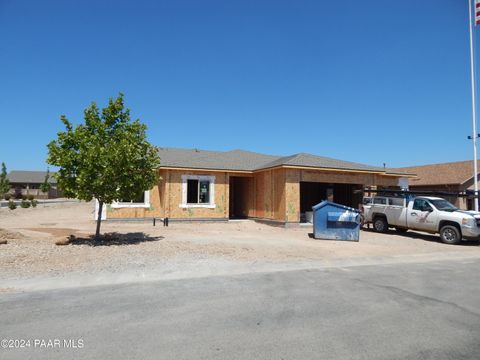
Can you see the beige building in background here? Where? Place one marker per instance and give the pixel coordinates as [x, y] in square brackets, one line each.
[23, 182]
[452, 177]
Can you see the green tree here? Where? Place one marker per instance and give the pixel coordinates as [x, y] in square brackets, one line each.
[107, 157]
[4, 183]
[46, 186]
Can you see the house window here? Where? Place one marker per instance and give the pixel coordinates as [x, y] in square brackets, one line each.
[198, 191]
[142, 200]
[139, 199]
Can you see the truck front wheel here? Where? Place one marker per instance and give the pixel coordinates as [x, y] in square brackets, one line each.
[380, 224]
[450, 234]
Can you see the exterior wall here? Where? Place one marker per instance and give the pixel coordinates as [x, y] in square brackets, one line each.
[173, 197]
[137, 213]
[272, 194]
[34, 189]
[166, 199]
[292, 194]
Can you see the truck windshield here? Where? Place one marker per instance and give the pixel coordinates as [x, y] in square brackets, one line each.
[443, 205]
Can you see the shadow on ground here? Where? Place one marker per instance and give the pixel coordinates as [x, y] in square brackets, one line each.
[109, 239]
[425, 237]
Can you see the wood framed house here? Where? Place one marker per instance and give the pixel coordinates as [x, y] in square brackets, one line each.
[210, 185]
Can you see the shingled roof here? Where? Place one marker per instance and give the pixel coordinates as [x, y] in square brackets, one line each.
[240, 160]
[451, 173]
[29, 177]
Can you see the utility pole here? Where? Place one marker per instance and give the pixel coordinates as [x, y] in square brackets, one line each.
[474, 136]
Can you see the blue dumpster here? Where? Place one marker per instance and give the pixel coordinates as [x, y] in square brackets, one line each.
[333, 221]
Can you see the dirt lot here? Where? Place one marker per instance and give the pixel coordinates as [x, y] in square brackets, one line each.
[182, 249]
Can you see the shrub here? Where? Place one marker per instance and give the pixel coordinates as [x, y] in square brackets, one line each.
[12, 205]
[30, 197]
[34, 202]
[24, 197]
[7, 197]
[25, 204]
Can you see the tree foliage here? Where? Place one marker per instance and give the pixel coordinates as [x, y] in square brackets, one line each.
[107, 157]
[4, 183]
[46, 186]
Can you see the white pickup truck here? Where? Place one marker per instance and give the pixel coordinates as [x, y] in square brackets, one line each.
[423, 213]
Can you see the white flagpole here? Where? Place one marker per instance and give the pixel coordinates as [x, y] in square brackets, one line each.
[474, 107]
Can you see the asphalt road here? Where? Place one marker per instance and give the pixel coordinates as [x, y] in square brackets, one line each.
[404, 311]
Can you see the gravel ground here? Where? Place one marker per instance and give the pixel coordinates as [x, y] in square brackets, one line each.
[181, 249]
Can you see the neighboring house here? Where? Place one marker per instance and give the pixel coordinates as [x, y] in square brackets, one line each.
[452, 177]
[29, 182]
[210, 185]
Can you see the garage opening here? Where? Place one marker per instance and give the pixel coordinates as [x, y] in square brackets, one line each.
[241, 197]
[312, 193]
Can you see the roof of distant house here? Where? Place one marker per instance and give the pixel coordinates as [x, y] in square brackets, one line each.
[241, 160]
[451, 173]
[29, 177]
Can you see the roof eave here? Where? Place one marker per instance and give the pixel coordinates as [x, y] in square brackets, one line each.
[203, 169]
[383, 173]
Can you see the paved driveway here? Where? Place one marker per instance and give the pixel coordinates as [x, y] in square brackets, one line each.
[399, 311]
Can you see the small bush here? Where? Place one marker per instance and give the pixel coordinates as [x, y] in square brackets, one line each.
[34, 202]
[24, 197]
[64, 241]
[25, 204]
[12, 205]
[30, 197]
[7, 197]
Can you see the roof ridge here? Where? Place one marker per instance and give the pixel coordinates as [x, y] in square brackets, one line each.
[187, 149]
[435, 164]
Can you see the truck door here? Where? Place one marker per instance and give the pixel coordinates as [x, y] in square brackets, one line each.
[422, 216]
[394, 212]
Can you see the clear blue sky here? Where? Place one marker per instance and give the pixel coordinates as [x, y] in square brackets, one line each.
[370, 81]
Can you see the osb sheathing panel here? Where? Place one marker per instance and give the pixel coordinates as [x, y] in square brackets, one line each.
[166, 198]
[347, 178]
[260, 196]
[270, 194]
[173, 196]
[279, 194]
[155, 209]
[292, 195]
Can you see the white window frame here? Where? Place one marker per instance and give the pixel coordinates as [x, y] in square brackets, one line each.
[210, 178]
[145, 204]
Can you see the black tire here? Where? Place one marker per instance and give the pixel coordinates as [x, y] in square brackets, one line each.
[380, 224]
[450, 234]
[401, 230]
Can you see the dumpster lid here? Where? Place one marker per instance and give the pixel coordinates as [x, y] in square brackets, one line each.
[340, 206]
[345, 216]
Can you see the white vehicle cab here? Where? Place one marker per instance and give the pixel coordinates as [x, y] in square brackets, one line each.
[423, 213]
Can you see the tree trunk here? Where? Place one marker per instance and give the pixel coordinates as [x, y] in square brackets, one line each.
[99, 220]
